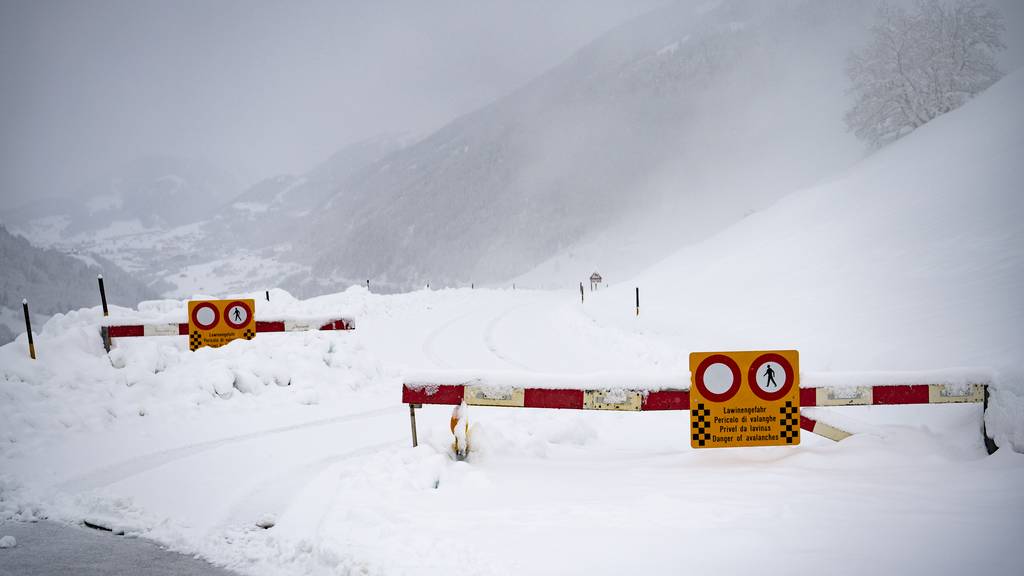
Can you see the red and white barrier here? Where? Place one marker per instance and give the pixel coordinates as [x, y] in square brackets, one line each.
[676, 399]
[476, 394]
[181, 329]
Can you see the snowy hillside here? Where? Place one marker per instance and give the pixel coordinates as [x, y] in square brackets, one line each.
[912, 259]
[642, 120]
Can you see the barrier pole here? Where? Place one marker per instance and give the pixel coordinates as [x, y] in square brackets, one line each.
[412, 422]
[103, 295]
[28, 329]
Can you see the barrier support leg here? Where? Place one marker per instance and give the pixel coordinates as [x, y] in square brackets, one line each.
[990, 443]
[412, 422]
[105, 333]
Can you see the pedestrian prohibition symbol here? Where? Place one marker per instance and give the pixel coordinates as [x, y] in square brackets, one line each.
[216, 322]
[744, 399]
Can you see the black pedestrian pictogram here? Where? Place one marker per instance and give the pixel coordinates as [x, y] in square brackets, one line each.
[770, 374]
[238, 315]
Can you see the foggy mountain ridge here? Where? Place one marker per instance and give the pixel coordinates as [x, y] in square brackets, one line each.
[56, 282]
[654, 136]
[149, 192]
[239, 240]
[268, 212]
[652, 116]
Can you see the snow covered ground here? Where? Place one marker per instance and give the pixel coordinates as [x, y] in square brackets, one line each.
[290, 454]
[305, 432]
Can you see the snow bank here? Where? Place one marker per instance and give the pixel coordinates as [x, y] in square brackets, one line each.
[282, 306]
[504, 379]
[74, 384]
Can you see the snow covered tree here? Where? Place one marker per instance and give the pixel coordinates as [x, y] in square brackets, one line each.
[921, 64]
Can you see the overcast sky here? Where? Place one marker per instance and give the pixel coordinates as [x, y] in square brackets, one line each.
[257, 87]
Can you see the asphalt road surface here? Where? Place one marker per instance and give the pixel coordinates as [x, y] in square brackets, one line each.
[46, 548]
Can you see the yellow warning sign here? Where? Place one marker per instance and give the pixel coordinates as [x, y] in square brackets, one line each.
[744, 399]
[216, 322]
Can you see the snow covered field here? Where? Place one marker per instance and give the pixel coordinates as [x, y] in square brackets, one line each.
[290, 454]
[197, 450]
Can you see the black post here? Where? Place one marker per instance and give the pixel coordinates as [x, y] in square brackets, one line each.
[103, 294]
[268, 295]
[581, 292]
[367, 285]
[637, 300]
[990, 443]
[28, 330]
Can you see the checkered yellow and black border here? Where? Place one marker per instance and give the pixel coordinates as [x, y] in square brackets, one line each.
[790, 422]
[195, 340]
[700, 423]
[249, 334]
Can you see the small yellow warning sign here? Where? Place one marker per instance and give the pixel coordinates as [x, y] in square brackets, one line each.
[216, 322]
[744, 399]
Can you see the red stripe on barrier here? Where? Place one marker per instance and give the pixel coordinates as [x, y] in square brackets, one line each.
[544, 398]
[264, 326]
[183, 329]
[336, 325]
[667, 400]
[443, 394]
[911, 394]
[125, 331]
[807, 423]
[808, 397]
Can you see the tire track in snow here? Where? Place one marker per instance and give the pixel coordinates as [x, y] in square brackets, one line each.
[134, 466]
[429, 342]
[492, 328]
[275, 496]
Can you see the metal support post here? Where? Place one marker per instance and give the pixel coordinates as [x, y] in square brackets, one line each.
[412, 422]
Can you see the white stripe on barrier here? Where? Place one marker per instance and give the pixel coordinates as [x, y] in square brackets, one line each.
[160, 330]
[627, 400]
[854, 396]
[944, 393]
[479, 396]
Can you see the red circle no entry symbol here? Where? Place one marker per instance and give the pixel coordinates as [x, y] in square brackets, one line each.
[205, 316]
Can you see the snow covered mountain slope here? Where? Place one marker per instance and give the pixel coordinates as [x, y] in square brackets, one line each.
[55, 282]
[232, 244]
[912, 259]
[725, 106]
[275, 210]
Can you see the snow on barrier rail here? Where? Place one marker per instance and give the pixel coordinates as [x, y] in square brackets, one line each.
[480, 391]
[181, 328]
